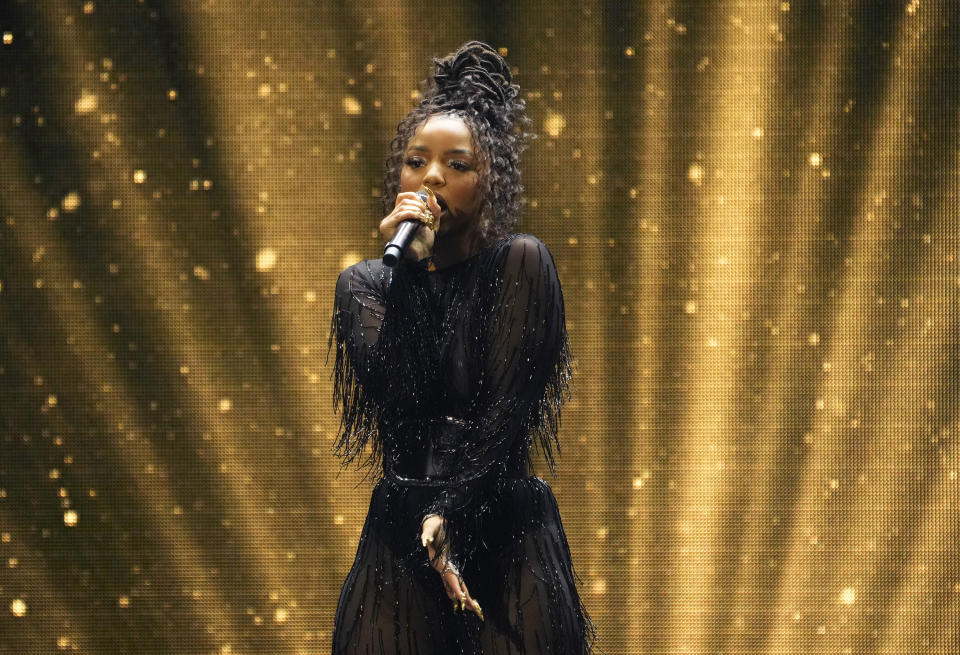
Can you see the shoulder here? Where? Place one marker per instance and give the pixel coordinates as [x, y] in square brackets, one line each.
[367, 269]
[370, 275]
[521, 240]
[524, 252]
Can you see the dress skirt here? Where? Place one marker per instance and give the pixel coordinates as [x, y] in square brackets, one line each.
[393, 602]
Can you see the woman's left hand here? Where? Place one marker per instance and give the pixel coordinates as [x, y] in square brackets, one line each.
[430, 532]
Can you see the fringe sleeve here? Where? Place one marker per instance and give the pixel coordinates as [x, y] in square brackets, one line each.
[526, 377]
[358, 313]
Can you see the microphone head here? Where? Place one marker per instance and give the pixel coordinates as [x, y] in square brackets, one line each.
[424, 193]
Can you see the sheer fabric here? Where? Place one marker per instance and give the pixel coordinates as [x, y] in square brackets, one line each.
[445, 380]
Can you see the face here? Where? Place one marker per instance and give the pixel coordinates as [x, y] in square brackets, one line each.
[441, 155]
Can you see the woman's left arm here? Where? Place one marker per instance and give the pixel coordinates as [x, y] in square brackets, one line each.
[526, 370]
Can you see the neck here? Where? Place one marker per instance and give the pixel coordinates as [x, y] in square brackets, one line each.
[450, 248]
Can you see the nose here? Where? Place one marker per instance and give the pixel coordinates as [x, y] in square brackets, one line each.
[433, 175]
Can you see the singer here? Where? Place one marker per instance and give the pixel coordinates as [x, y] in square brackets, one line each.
[450, 367]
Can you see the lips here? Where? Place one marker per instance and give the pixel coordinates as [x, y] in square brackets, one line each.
[441, 202]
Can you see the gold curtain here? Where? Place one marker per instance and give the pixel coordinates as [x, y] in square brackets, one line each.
[754, 210]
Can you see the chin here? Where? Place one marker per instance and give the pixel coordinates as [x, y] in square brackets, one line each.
[447, 226]
[455, 224]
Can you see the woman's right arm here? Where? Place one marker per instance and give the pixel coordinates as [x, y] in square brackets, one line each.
[359, 309]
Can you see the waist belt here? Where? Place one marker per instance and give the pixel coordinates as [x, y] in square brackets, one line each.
[430, 453]
[427, 450]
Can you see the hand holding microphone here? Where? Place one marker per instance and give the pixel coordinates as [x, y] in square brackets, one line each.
[402, 226]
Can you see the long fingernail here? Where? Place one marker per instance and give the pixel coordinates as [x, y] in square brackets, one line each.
[478, 610]
[454, 604]
[463, 602]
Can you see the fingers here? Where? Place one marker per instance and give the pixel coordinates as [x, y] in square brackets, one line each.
[434, 206]
[453, 583]
[402, 212]
[459, 594]
[408, 195]
[432, 203]
[408, 206]
[471, 602]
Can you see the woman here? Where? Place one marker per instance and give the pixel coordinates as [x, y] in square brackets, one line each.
[449, 367]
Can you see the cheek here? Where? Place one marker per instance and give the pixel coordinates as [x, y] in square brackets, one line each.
[472, 194]
[407, 180]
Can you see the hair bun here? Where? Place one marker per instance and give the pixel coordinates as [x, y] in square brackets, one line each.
[475, 74]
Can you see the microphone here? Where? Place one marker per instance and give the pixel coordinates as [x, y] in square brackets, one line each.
[394, 250]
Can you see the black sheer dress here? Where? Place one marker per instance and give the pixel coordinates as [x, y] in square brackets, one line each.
[445, 380]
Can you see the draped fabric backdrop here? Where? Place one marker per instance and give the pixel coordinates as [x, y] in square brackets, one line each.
[753, 206]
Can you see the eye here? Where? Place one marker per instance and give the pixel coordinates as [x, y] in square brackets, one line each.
[460, 165]
[413, 162]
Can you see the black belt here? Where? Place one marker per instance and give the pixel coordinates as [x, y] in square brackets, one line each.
[431, 454]
[430, 448]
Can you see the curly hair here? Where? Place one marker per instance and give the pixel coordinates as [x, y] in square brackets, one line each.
[475, 84]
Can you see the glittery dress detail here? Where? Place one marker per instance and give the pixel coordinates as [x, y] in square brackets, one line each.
[445, 380]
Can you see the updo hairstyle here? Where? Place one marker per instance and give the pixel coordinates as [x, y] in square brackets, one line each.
[475, 84]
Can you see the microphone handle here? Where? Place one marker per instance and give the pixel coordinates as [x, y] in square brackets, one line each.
[394, 250]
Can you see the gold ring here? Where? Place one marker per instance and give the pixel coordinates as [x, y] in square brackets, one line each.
[429, 219]
[427, 216]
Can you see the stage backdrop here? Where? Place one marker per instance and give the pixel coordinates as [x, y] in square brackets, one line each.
[754, 211]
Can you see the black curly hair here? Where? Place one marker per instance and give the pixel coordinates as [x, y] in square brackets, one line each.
[475, 84]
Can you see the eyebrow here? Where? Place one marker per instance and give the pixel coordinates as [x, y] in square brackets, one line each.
[452, 151]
